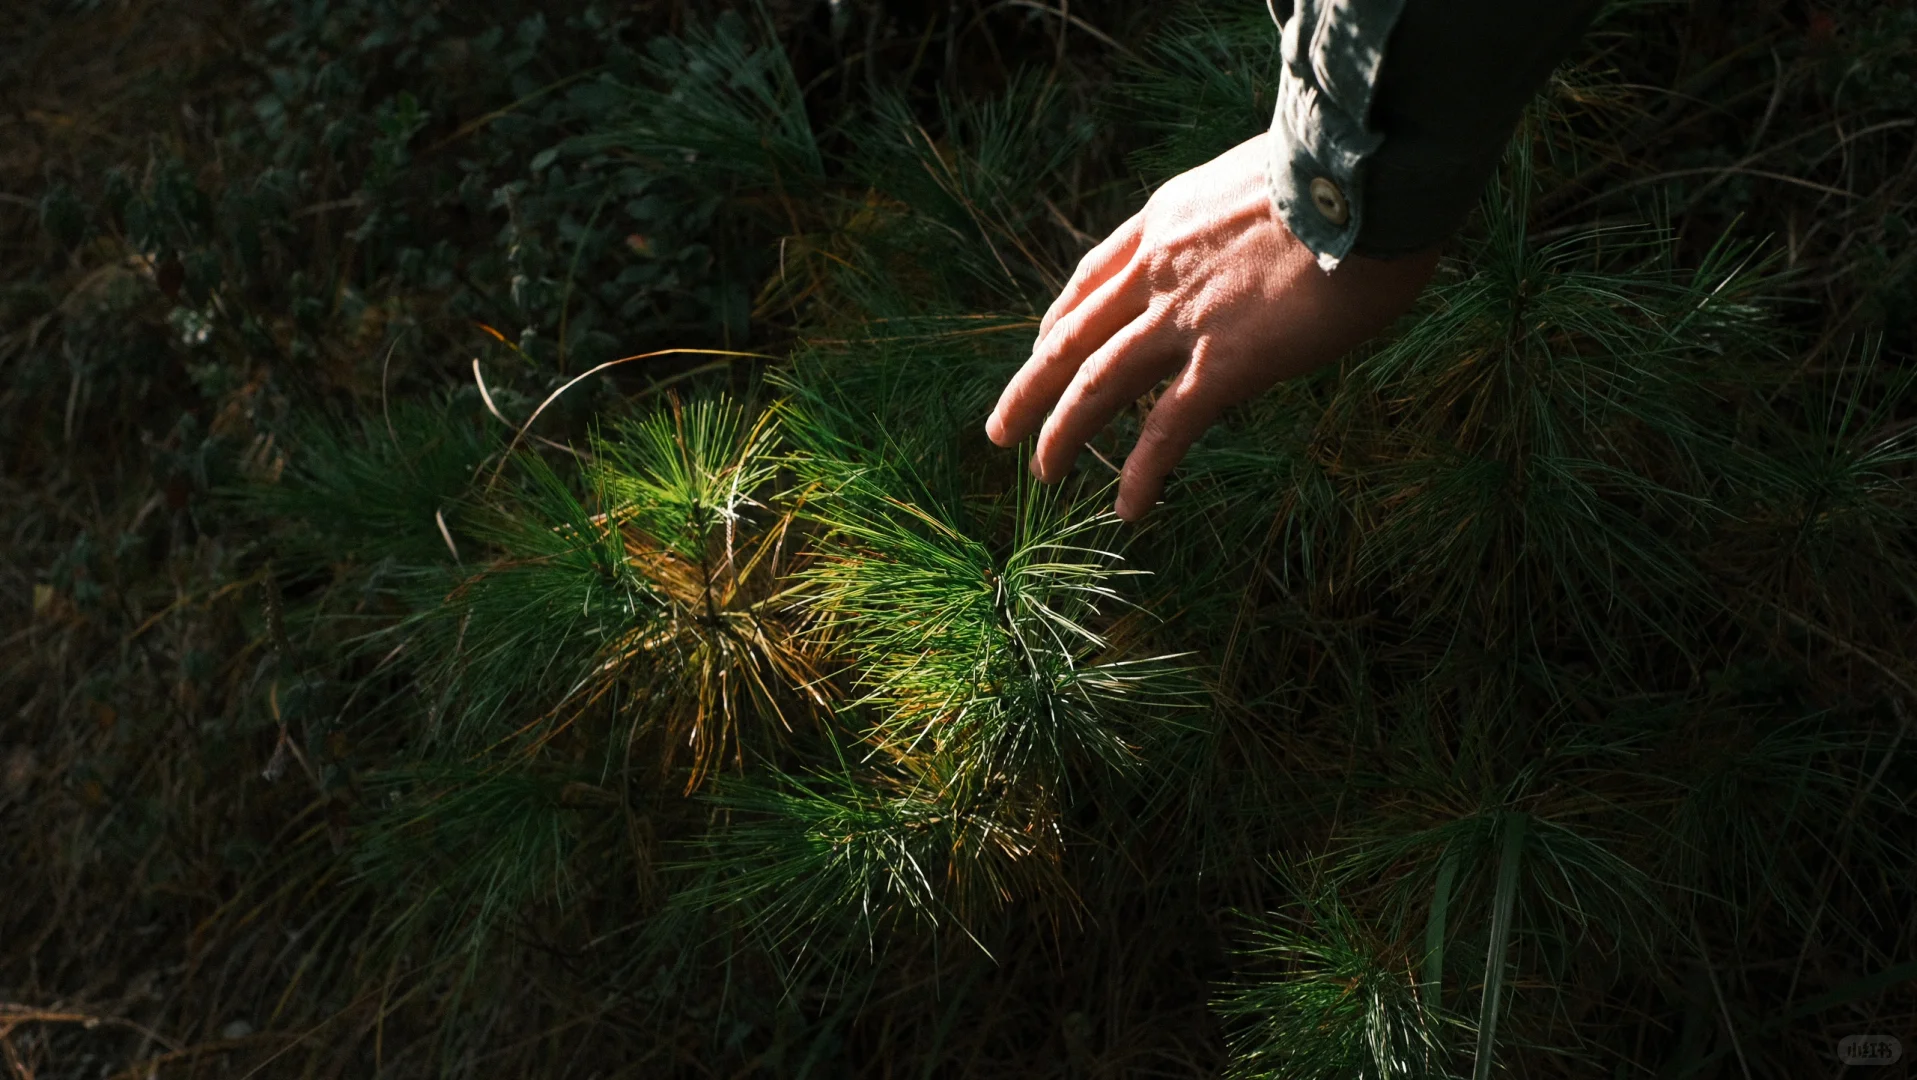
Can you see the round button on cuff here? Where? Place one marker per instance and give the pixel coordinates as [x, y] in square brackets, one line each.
[1329, 201]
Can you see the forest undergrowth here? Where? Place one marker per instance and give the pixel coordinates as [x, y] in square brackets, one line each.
[504, 574]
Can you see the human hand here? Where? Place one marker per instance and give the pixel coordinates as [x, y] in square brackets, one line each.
[1206, 284]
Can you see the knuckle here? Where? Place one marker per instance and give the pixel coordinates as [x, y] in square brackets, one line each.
[1153, 442]
[1146, 260]
[1099, 382]
[1164, 274]
[1167, 430]
[1204, 356]
[1052, 315]
[1065, 337]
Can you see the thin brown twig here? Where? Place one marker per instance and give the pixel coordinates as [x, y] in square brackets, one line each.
[12, 1016]
[14, 1063]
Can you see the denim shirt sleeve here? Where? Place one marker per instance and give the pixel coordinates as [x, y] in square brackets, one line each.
[1332, 51]
[1383, 151]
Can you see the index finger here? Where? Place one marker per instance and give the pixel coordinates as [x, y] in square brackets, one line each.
[1056, 360]
[1097, 267]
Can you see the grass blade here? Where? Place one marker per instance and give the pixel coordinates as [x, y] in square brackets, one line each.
[1510, 852]
[1434, 926]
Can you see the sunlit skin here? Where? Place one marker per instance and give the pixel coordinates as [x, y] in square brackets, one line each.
[1204, 285]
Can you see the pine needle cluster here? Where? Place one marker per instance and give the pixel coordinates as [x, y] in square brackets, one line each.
[1468, 632]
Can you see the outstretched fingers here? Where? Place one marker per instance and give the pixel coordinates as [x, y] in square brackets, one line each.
[1060, 353]
[1122, 370]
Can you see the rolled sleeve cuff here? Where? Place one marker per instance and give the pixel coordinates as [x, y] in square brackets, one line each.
[1319, 142]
